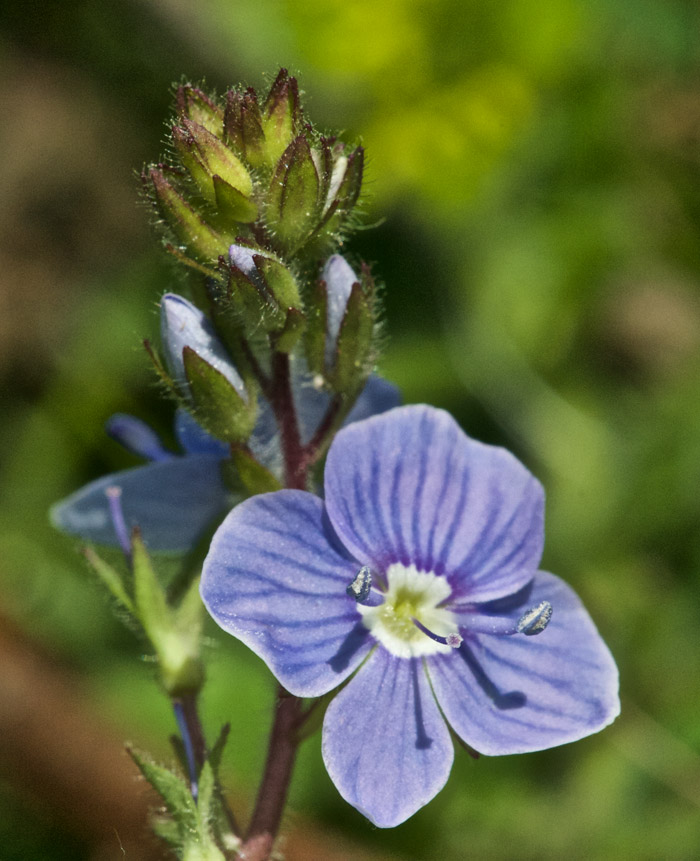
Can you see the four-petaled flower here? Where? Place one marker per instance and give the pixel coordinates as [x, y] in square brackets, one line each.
[420, 568]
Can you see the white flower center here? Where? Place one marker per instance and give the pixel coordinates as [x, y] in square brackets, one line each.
[411, 594]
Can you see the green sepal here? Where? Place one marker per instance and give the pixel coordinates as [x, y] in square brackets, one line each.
[195, 105]
[160, 368]
[173, 633]
[316, 328]
[294, 325]
[199, 237]
[243, 126]
[354, 350]
[279, 280]
[191, 161]
[254, 303]
[293, 195]
[243, 474]
[231, 204]
[216, 404]
[218, 158]
[281, 116]
[111, 578]
[340, 207]
[172, 789]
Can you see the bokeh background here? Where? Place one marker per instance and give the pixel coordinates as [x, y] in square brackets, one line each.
[535, 189]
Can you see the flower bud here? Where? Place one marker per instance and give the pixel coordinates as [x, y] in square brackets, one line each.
[191, 231]
[263, 288]
[354, 351]
[243, 126]
[217, 158]
[292, 201]
[201, 368]
[341, 321]
[281, 116]
[194, 104]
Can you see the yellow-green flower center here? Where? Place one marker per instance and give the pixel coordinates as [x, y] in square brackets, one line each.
[411, 594]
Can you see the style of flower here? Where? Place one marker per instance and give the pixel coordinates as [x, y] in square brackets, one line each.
[418, 570]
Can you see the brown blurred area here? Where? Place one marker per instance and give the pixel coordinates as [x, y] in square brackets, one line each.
[68, 189]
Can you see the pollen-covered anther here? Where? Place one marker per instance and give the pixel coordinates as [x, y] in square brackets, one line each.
[360, 587]
[453, 639]
[535, 620]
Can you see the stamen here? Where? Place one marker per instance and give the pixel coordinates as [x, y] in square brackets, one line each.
[360, 587]
[453, 639]
[114, 498]
[534, 621]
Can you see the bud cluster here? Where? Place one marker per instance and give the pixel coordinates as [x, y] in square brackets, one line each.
[256, 201]
[245, 168]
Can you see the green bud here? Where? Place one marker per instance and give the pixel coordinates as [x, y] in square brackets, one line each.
[279, 281]
[201, 239]
[293, 196]
[218, 158]
[281, 116]
[243, 126]
[194, 104]
[355, 343]
[252, 301]
[231, 204]
[217, 405]
[343, 190]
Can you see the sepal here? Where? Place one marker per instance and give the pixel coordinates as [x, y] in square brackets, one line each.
[174, 632]
[217, 158]
[281, 116]
[217, 405]
[243, 126]
[355, 348]
[190, 229]
[292, 199]
[245, 475]
[194, 104]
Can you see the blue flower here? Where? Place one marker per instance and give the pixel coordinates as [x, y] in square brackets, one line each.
[418, 570]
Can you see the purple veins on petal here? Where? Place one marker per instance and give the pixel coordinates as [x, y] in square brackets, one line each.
[392, 772]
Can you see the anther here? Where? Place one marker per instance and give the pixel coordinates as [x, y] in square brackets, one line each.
[360, 587]
[114, 498]
[535, 620]
[453, 639]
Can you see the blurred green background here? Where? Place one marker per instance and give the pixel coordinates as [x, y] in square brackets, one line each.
[533, 172]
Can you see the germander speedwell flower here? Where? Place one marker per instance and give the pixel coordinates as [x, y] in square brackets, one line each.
[420, 568]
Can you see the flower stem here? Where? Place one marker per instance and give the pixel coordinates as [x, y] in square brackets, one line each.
[285, 413]
[272, 794]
